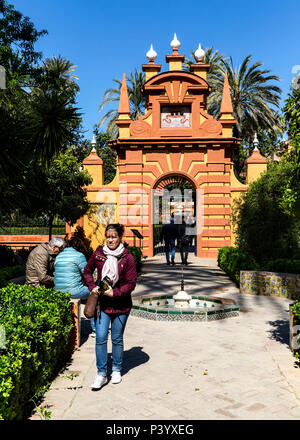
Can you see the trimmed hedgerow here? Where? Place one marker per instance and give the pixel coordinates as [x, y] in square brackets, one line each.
[37, 323]
[282, 265]
[232, 261]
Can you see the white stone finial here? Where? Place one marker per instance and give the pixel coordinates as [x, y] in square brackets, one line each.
[255, 142]
[151, 54]
[199, 53]
[93, 143]
[175, 44]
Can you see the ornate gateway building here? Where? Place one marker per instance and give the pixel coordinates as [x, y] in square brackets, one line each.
[175, 144]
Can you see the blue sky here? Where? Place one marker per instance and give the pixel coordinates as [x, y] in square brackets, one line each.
[106, 38]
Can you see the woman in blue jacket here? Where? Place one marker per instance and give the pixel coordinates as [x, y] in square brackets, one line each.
[68, 271]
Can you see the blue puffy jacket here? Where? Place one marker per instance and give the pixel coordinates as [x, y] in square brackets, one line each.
[68, 271]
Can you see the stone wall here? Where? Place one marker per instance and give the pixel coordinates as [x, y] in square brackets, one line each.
[284, 285]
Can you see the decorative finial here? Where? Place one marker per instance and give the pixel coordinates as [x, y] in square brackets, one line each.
[175, 44]
[151, 54]
[255, 142]
[199, 53]
[93, 143]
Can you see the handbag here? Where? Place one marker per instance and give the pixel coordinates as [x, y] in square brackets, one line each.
[92, 306]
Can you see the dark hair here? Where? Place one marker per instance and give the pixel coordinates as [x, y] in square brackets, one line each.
[117, 227]
[76, 243]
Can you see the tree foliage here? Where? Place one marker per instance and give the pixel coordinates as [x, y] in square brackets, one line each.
[58, 190]
[291, 199]
[135, 81]
[18, 35]
[264, 229]
[107, 154]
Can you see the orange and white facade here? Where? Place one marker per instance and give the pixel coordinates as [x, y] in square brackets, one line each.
[175, 137]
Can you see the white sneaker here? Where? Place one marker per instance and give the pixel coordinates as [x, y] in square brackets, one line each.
[99, 382]
[116, 377]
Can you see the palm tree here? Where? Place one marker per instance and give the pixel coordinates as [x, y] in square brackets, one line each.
[253, 95]
[54, 117]
[56, 75]
[136, 101]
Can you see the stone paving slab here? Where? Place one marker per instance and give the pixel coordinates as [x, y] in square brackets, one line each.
[232, 369]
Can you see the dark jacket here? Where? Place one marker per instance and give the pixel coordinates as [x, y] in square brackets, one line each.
[169, 232]
[40, 266]
[121, 302]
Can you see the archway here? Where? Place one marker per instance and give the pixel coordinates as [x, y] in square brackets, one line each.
[172, 194]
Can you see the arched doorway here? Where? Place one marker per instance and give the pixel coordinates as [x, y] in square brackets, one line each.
[172, 194]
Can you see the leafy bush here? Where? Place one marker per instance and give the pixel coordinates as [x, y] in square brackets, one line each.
[7, 256]
[37, 323]
[296, 312]
[232, 261]
[7, 273]
[137, 255]
[263, 228]
[282, 265]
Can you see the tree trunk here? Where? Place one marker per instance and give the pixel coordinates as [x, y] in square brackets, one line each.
[50, 227]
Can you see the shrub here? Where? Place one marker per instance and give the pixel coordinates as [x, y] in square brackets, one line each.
[7, 273]
[296, 312]
[37, 324]
[232, 261]
[7, 256]
[282, 265]
[263, 228]
[137, 255]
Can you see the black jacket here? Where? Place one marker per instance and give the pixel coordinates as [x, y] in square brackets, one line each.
[169, 232]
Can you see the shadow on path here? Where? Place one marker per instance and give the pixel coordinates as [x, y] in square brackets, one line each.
[132, 358]
[280, 331]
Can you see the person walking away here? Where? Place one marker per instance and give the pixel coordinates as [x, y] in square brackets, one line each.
[69, 266]
[40, 263]
[169, 233]
[190, 228]
[183, 242]
[116, 266]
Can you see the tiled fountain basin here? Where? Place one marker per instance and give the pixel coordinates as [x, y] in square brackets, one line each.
[161, 308]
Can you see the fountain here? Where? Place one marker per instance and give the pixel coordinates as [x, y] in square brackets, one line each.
[182, 299]
[183, 307]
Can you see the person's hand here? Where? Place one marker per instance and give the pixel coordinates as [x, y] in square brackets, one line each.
[109, 292]
[96, 290]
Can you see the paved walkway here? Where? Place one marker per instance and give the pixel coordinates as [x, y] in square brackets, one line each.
[236, 368]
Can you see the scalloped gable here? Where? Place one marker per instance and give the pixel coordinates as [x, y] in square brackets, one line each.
[168, 77]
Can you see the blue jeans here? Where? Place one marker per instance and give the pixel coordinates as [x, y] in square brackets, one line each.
[84, 294]
[118, 324]
[170, 246]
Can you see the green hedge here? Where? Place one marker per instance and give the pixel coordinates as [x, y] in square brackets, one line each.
[37, 323]
[137, 255]
[296, 311]
[282, 265]
[7, 273]
[232, 261]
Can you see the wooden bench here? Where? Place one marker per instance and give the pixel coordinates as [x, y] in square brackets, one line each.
[74, 341]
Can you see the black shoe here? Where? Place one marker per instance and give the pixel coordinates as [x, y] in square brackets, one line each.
[173, 263]
[185, 263]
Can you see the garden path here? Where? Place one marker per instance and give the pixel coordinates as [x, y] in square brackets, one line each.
[236, 368]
